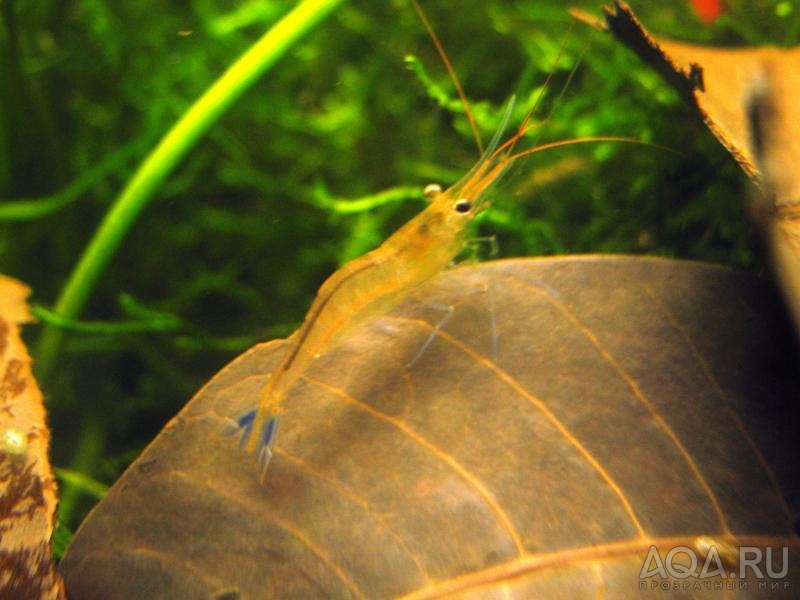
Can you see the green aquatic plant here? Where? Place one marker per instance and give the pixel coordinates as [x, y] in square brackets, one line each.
[183, 136]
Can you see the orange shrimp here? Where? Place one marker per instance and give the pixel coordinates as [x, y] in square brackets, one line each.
[372, 284]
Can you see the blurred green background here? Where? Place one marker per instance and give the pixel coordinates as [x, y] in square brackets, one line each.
[314, 165]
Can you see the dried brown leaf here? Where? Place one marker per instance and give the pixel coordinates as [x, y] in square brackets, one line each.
[728, 87]
[572, 413]
[27, 487]
[720, 82]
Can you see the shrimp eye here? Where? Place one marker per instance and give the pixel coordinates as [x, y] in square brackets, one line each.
[432, 190]
[463, 206]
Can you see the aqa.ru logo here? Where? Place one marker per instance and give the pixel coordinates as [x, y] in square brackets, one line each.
[681, 562]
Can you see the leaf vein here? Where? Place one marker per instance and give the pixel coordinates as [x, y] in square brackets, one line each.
[640, 395]
[445, 457]
[346, 492]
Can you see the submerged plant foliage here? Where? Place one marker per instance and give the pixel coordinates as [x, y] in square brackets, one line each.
[314, 165]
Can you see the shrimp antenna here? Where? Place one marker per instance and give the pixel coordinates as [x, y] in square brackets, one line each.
[586, 140]
[508, 145]
[570, 77]
[499, 168]
[448, 65]
[523, 128]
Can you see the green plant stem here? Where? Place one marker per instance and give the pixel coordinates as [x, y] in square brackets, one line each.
[154, 323]
[195, 122]
[82, 482]
[346, 206]
[29, 209]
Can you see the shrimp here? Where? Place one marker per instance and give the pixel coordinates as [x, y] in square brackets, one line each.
[372, 284]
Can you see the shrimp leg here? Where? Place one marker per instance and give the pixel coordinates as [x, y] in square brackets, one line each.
[448, 313]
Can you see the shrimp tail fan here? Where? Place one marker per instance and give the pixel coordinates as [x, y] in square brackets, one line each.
[266, 437]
